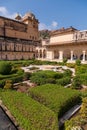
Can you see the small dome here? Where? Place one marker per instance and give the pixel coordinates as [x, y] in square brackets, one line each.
[18, 17]
[29, 14]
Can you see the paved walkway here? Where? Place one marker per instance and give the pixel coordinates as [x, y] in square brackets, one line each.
[69, 114]
[5, 122]
[48, 67]
[72, 69]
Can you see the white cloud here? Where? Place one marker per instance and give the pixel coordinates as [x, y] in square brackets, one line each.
[52, 26]
[42, 26]
[6, 13]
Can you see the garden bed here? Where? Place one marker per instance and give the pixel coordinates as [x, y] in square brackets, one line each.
[30, 114]
[57, 98]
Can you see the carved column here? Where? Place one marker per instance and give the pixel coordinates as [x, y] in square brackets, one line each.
[38, 53]
[42, 54]
[84, 53]
[60, 55]
[71, 55]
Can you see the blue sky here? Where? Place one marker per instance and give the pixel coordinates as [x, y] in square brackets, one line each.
[52, 14]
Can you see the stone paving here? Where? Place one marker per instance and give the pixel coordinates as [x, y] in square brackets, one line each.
[5, 122]
[69, 114]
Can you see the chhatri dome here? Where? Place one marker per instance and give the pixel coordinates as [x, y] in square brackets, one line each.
[29, 15]
[18, 16]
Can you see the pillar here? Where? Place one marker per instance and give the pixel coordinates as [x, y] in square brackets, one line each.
[38, 54]
[71, 55]
[50, 55]
[84, 53]
[42, 54]
[60, 55]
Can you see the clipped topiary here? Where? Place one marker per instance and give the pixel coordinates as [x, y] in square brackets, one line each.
[5, 68]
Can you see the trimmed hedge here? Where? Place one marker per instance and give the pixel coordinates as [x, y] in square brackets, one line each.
[5, 68]
[76, 84]
[57, 98]
[7, 76]
[18, 76]
[29, 114]
[81, 71]
[22, 63]
[43, 77]
[63, 81]
[67, 73]
[16, 79]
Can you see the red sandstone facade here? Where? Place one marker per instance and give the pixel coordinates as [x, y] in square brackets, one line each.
[19, 37]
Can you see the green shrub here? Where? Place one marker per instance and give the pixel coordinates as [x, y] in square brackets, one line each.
[8, 84]
[76, 84]
[27, 76]
[5, 68]
[63, 81]
[55, 97]
[43, 77]
[71, 65]
[16, 79]
[84, 93]
[83, 78]
[7, 76]
[67, 73]
[81, 69]
[2, 83]
[20, 71]
[65, 60]
[14, 70]
[78, 62]
[58, 75]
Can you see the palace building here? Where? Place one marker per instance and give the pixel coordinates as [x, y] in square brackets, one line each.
[68, 43]
[19, 37]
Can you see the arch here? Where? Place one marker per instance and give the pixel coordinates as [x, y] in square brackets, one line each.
[56, 54]
[40, 53]
[37, 54]
[67, 54]
[76, 54]
[44, 53]
[86, 54]
[81, 56]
